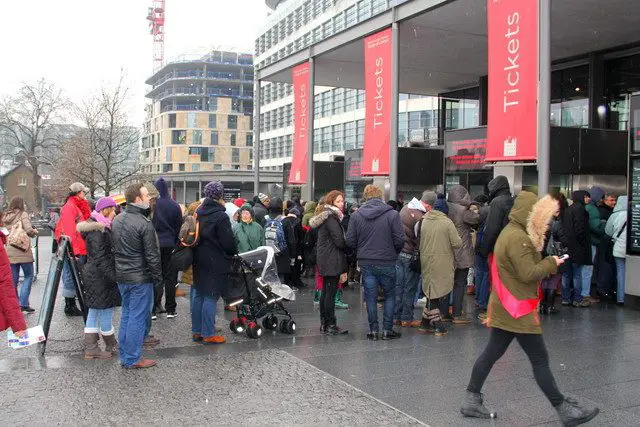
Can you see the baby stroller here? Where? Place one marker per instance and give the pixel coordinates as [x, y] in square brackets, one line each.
[259, 294]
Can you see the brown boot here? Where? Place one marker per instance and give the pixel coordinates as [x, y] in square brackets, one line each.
[91, 349]
[111, 345]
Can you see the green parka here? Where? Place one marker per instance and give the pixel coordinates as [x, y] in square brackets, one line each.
[438, 240]
[520, 264]
[248, 236]
[309, 211]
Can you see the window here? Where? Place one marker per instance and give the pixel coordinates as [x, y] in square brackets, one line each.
[350, 135]
[570, 97]
[172, 121]
[337, 142]
[181, 167]
[214, 137]
[232, 122]
[195, 167]
[197, 137]
[208, 154]
[168, 154]
[249, 140]
[217, 167]
[212, 121]
[191, 120]
[167, 167]
[178, 137]
[402, 127]
[235, 155]
[233, 139]
[213, 103]
[360, 99]
[195, 151]
[22, 181]
[360, 134]
[338, 100]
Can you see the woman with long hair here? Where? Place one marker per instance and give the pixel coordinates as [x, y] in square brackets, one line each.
[16, 217]
[10, 315]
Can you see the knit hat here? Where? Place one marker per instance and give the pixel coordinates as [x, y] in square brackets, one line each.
[263, 198]
[239, 202]
[214, 190]
[429, 197]
[441, 205]
[104, 203]
[77, 187]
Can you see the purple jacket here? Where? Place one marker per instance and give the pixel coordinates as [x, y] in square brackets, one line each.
[376, 234]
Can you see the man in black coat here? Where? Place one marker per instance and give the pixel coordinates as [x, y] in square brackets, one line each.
[261, 206]
[500, 204]
[576, 228]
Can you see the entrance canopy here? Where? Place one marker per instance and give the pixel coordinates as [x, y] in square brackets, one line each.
[443, 44]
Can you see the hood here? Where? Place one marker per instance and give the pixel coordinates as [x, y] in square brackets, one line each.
[441, 206]
[497, 186]
[310, 207]
[621, 204]
[459, 195]
[295, 210]
[435, 215]
[416, 204]
[162, 188]
[533, 215]
[89, 225]
[318, 220]
[247, 207]
[231, 210]
[209, 207]
[578, 196]
[597, 194]
[373, 209]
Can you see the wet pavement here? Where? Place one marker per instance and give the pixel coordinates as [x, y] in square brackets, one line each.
[311, 379]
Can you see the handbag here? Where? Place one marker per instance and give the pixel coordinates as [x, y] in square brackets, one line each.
[182, 255]
[18, 238]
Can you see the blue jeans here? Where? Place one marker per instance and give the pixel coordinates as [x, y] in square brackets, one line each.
[25, 290]
[620, 265]
[203, 313]
[406, 284]
[68, 289]
[99, 320]
[567, 274]
[579, 276]
[482, 281]
[136, 300]
[587, 274]
[372, 277]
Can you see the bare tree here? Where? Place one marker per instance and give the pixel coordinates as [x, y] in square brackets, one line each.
[27, 123]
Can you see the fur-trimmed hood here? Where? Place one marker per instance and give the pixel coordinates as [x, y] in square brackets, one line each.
[89, 225]
[534, 216]
[318, 220]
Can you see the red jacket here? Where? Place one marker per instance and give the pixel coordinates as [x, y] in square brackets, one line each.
[10, 314]
[70, 216]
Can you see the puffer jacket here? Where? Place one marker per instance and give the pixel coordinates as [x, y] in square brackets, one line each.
[260, 212]
[309, 211]
[500, 203]
[520, 263]
[376, 234]
[616, 221]
[10, 314]
[99, 273]
[136, 248]
[438, 240]
[17, 256]
[167, 217]
[576, 227]
[465, 220]
[410, 215]
[331, 245]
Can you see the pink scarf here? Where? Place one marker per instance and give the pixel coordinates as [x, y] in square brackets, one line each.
[337, 211]
[101, 219]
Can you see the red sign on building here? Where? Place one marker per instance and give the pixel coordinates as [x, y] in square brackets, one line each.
[377, 84]
[513, 79]
[301, 102]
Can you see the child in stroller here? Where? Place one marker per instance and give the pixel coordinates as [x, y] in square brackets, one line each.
[258, 293]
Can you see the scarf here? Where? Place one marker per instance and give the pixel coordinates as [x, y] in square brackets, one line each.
[101, 219]
[83, 206]
[336, 211]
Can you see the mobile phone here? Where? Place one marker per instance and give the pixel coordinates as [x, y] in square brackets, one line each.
[564, 257]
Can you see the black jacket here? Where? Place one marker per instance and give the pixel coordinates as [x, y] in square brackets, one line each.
[136, 248]
[215, 248]
[500, 205]
[167, 217]
[260, 211]
[576, 228]
[99, 272]
[331, 245]
[376, 233]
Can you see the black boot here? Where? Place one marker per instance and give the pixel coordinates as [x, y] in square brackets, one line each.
[70, 308]
[323, 327]
[473, 406]
[551, 296]
[571, 413]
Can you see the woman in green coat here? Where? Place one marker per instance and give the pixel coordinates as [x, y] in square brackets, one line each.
[249, 234]
[516, 271]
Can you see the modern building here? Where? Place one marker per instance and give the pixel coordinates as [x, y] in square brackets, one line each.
[199, 124]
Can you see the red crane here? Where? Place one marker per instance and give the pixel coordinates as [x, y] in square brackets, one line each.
[156, 29]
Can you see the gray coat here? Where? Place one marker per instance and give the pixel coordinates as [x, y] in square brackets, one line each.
[465, 221]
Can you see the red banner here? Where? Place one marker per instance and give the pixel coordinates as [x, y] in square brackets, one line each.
[513, 79]
[301, 100]
[377, 85]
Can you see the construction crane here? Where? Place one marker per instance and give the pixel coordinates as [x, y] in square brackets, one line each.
[156, 29]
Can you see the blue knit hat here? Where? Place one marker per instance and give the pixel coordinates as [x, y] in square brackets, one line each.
[214, 190]
[441, 205]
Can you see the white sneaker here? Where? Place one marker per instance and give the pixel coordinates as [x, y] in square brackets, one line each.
[171, 315]
[154, 316]
[421, 302]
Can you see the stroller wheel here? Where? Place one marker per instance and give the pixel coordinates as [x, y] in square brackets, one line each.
[283, 326]
[236, 326]
[270, 322]
[254, 330]
[291, 326]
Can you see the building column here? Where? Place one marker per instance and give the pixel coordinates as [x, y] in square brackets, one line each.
[544, 98]
[199, 190]
[310, 130]
[483, 99]
[184, 192]
[171, 189]
[256, 136]
[395, 99]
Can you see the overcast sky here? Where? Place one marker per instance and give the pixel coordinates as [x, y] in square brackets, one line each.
[80, 44]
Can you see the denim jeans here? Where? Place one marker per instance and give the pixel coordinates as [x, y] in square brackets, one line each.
[579, 275]
[99, 320]
[136, 302]
[482, 281]
[620, 265]
[587, 274]
[406, 284]
[567, 274]
[203, 313]
[25, 290]
[68, 289]
[419, 293]
[372, 277]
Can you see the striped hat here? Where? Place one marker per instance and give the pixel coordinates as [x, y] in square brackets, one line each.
[119, 199]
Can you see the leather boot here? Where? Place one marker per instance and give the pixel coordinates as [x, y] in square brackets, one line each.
[111, 345]
[70, 308]
[473, 406]
[91, 349]
[572, 413]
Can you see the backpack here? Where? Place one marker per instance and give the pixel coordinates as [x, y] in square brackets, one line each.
[182, 255]
[274, 235]
[309, 245]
